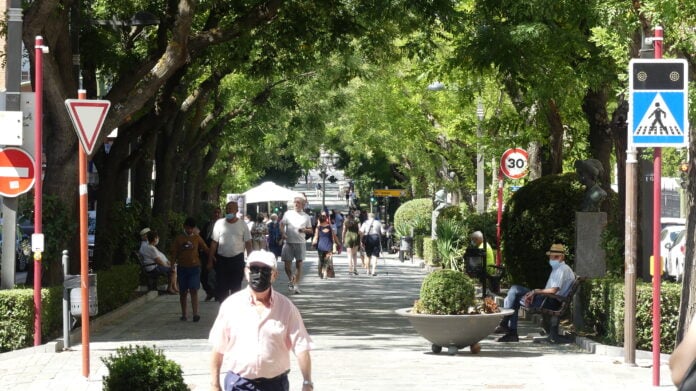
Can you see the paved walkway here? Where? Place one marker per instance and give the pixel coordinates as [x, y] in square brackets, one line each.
[361, 345]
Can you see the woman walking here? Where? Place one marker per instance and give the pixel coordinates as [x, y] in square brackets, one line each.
[351, 241]
[275, 239]
[324, 239]
[259, 230]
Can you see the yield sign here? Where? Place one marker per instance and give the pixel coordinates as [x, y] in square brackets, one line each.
[16, 172]
[88, 117]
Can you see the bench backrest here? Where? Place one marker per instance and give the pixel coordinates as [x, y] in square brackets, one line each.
[565, 303]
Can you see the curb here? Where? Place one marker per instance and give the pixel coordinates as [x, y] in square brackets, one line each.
[57, 345]
[99, 322]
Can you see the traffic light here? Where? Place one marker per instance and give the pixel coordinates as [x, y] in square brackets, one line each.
[684, 174]
[332, 179]
[372, 199]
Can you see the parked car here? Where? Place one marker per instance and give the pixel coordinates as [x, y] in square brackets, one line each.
[675, 259]
[22, 249]
[91, 229]
[667, 237]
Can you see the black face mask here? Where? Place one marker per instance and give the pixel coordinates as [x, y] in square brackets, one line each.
[260, 278]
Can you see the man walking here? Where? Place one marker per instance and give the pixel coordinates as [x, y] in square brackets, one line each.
[231, 237]
[293, 227]
[254, 332]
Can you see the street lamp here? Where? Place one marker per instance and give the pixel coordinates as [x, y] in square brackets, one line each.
[327, 161]
[480, 206]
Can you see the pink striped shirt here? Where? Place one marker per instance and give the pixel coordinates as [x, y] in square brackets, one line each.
[258, 344]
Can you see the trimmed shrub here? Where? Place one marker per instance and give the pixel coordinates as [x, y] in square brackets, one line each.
[17, 322]
[429, 251]
[142, 368]
[536, 216]
[445, 292]
[116, 286]
[542, 213]
[419, 245]
[486, 223]
[416, 214]
[603, 312]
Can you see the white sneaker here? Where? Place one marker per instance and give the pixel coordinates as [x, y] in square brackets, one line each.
[291, 288]
[297, 290]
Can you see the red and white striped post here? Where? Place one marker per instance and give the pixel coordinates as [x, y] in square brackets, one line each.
[657, 263]
[39, 50]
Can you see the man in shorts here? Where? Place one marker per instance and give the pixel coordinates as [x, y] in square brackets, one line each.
[293, 228]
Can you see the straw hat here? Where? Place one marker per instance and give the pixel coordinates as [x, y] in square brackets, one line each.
[557, 248]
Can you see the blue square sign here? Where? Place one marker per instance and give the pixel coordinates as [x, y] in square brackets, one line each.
[658, 103]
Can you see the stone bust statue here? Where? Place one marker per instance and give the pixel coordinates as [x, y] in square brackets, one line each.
[440, 202]
[589, 173]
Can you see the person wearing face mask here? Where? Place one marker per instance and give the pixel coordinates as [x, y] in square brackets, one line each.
[184, 252]
[559, 283]
[153, 259]
[254, 333]
[231, 237]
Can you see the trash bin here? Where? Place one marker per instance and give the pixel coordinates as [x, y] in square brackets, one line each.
[406, 247]
[406, 243]
[72, 282]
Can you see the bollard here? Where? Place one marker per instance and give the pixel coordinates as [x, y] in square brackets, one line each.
[66, 304]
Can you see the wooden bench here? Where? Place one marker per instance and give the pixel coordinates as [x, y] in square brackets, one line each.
[151, 276]
[555, 314]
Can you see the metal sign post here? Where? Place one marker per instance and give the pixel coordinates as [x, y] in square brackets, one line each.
[87, 117]
[658, 107]
[514, 164]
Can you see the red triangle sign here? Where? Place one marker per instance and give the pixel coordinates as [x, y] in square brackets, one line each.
[88, 117]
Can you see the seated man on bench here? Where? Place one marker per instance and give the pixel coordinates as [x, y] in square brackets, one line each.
[559, 283]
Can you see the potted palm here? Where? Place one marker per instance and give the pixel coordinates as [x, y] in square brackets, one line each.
[448, 315]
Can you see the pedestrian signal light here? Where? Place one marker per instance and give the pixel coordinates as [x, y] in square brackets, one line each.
[684, 167]
[652, 266]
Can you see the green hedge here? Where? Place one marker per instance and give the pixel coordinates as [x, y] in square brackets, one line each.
[115, 287]
[415, 214]
[429, 251]
[17, 321]
[603, 312]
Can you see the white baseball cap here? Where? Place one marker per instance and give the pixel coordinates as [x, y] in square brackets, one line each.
[144, 231]
[261, 257]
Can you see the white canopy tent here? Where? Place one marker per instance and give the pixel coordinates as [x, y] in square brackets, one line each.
[268, 192]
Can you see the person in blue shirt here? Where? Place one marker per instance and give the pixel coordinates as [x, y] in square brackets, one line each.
[559, 283]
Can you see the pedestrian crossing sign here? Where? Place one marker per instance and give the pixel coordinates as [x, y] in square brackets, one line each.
[658, 103]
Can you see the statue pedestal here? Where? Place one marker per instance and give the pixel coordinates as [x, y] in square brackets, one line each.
[590, 257]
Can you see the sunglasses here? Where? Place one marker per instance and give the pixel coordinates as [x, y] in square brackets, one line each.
[259, 269]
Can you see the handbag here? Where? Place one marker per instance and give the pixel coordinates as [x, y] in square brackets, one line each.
[363, 239]
[689, 381]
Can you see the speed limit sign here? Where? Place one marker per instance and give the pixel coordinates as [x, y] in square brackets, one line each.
[513, 164]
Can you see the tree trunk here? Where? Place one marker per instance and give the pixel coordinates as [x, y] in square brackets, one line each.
[534, 160]
[554, 163]
[687, 307]
[594, 106]
[111, 194]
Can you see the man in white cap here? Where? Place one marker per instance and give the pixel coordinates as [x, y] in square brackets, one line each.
[254, 332]
[559, 283]
[143, 240]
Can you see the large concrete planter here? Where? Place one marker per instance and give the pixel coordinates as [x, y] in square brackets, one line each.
[454, 331]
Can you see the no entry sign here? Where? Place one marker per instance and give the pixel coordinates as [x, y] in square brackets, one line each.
[16, 172]
[513, 163]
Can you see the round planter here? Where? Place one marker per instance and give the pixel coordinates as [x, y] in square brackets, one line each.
[454, 331]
